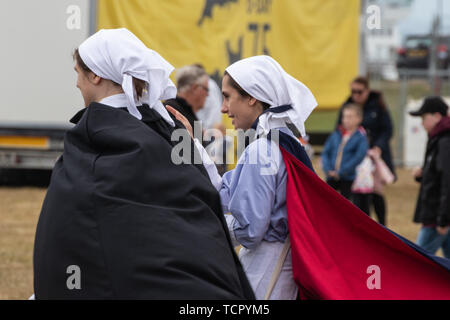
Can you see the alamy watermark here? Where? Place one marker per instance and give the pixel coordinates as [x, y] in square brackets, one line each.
[373, 18]
[74, 279]
[374, 281]
[73, 21]
[262, 152]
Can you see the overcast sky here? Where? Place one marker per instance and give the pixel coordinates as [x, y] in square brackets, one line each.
[421, 16]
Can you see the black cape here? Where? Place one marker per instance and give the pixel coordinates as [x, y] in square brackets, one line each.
[136, 225]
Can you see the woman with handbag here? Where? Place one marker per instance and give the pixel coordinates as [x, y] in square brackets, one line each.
[378, 125]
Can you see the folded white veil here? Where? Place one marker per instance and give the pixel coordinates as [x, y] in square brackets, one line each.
[118, 55]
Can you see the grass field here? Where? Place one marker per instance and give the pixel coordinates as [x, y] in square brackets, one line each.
[19, 212]
[20, 207]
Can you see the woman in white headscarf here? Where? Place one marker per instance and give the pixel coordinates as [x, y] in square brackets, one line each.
[259, 94]
[118, 67]
[120, 219]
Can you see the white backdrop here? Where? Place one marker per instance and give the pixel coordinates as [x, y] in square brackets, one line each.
[37, 78]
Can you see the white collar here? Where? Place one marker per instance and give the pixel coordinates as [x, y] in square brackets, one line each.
[116, 101]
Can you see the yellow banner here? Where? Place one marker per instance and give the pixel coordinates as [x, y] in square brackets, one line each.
[316, 41]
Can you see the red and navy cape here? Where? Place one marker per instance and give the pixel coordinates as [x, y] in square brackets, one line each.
[338, 252]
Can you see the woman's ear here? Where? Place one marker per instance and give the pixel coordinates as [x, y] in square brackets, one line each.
[256, 104]
[93, 78]
[252, 101]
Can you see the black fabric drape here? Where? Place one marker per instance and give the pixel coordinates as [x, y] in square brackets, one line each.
[137, 225]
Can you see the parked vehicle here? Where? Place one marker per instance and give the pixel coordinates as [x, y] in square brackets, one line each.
[416, 52]
[39, 94]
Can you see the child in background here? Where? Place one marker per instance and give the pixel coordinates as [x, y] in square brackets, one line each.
[344, 150]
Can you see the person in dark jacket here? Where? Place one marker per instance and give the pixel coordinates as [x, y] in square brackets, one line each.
[193, 89]
[378, 125]
[344, 150]
[433, 203]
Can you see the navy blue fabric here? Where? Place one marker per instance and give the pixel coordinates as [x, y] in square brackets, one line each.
[439, 260]
[278, 109]
[286, 141]
[289, 144]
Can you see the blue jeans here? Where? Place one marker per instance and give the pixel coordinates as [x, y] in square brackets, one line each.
[430, 240]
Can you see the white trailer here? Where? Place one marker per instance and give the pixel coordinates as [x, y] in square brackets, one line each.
[38, 82]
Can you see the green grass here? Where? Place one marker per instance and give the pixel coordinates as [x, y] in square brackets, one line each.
[321, 121]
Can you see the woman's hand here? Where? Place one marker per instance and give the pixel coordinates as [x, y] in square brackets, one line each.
[182, 119]
[375, 152]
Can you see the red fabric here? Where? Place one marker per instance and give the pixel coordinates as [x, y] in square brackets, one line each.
[441, 126]
[334, 243]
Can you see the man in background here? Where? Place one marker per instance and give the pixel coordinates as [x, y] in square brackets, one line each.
[193, 88]
[433, 203]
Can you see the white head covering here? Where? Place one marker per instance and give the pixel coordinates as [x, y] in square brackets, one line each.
[264, 79]
[118, 55]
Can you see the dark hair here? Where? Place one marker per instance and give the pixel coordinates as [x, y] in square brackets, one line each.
[79, 61]
[242, 92]
[139, 85]
[362, 80]
[375, 94]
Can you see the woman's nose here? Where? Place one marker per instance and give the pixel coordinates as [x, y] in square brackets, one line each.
[224, 108]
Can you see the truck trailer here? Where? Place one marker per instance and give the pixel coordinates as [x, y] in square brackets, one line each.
[38, 82]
